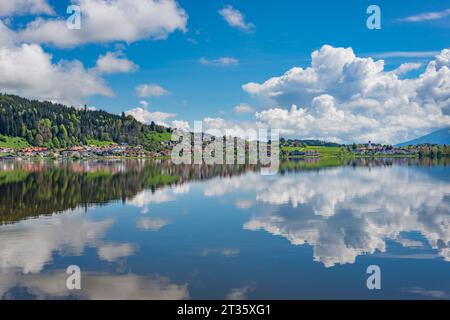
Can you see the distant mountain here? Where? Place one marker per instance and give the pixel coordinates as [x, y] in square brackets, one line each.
[437, 137]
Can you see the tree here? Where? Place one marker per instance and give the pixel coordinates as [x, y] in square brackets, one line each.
[63, 137]
[55, 142]
[23, 130]
[29, 137]
[44, 129]
[38, 140]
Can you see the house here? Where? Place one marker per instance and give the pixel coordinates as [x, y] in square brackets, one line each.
[6, 150]
[312, 153]
[34, 150]
[70, 154]
[86, 154]
[296, 153]
[76, 148]
[306, 153]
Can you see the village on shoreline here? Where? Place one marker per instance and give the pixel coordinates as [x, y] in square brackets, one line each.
[289, 149]
[361, 150]
[84, 152]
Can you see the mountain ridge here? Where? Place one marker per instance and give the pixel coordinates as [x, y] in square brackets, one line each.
[441, 136]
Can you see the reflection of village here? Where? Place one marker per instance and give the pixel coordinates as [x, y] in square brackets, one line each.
[27, 186]
[368, 162]
[112, 167]
[41, 186]
[184, 173]
[189, 172]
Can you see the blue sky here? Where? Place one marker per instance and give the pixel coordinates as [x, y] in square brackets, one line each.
[280, 35]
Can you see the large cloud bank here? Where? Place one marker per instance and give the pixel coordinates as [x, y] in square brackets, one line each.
[346, 98]
[28, 70]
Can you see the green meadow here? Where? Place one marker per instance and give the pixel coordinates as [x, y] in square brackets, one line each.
[13, 142]
[324, 151]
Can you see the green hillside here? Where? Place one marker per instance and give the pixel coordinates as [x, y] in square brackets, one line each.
[13, 142]
[53, 125]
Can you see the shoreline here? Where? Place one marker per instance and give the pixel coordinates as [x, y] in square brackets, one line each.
[291, 158]
[82, 158]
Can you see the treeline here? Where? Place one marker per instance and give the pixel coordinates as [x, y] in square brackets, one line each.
[55, 187]
[306, 143]
[434, 151]
[54, 125]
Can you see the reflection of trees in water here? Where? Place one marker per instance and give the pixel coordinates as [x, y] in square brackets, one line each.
[376, 162]
[29, 189]
[321, 163]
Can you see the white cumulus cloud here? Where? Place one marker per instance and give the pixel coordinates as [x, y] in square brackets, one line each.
[21, 7]
[181, 125]
[109, 21]
[151, 90]
[113, 62]
[219, 62]
[243, 108]
[236, 19]
[148, 117]
[345, 98]
[23, 67]
[426, 16]
[144, 104]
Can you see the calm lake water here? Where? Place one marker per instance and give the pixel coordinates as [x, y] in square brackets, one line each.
[151, 230]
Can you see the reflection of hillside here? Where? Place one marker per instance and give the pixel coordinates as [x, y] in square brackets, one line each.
[30, 189]
[321, 163]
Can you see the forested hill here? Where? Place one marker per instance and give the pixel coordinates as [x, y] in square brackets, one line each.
[55, 125]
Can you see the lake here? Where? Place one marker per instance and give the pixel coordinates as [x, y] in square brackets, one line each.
[141, 229]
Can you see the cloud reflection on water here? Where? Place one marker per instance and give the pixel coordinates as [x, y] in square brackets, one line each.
[28, 246]
[345, 212]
